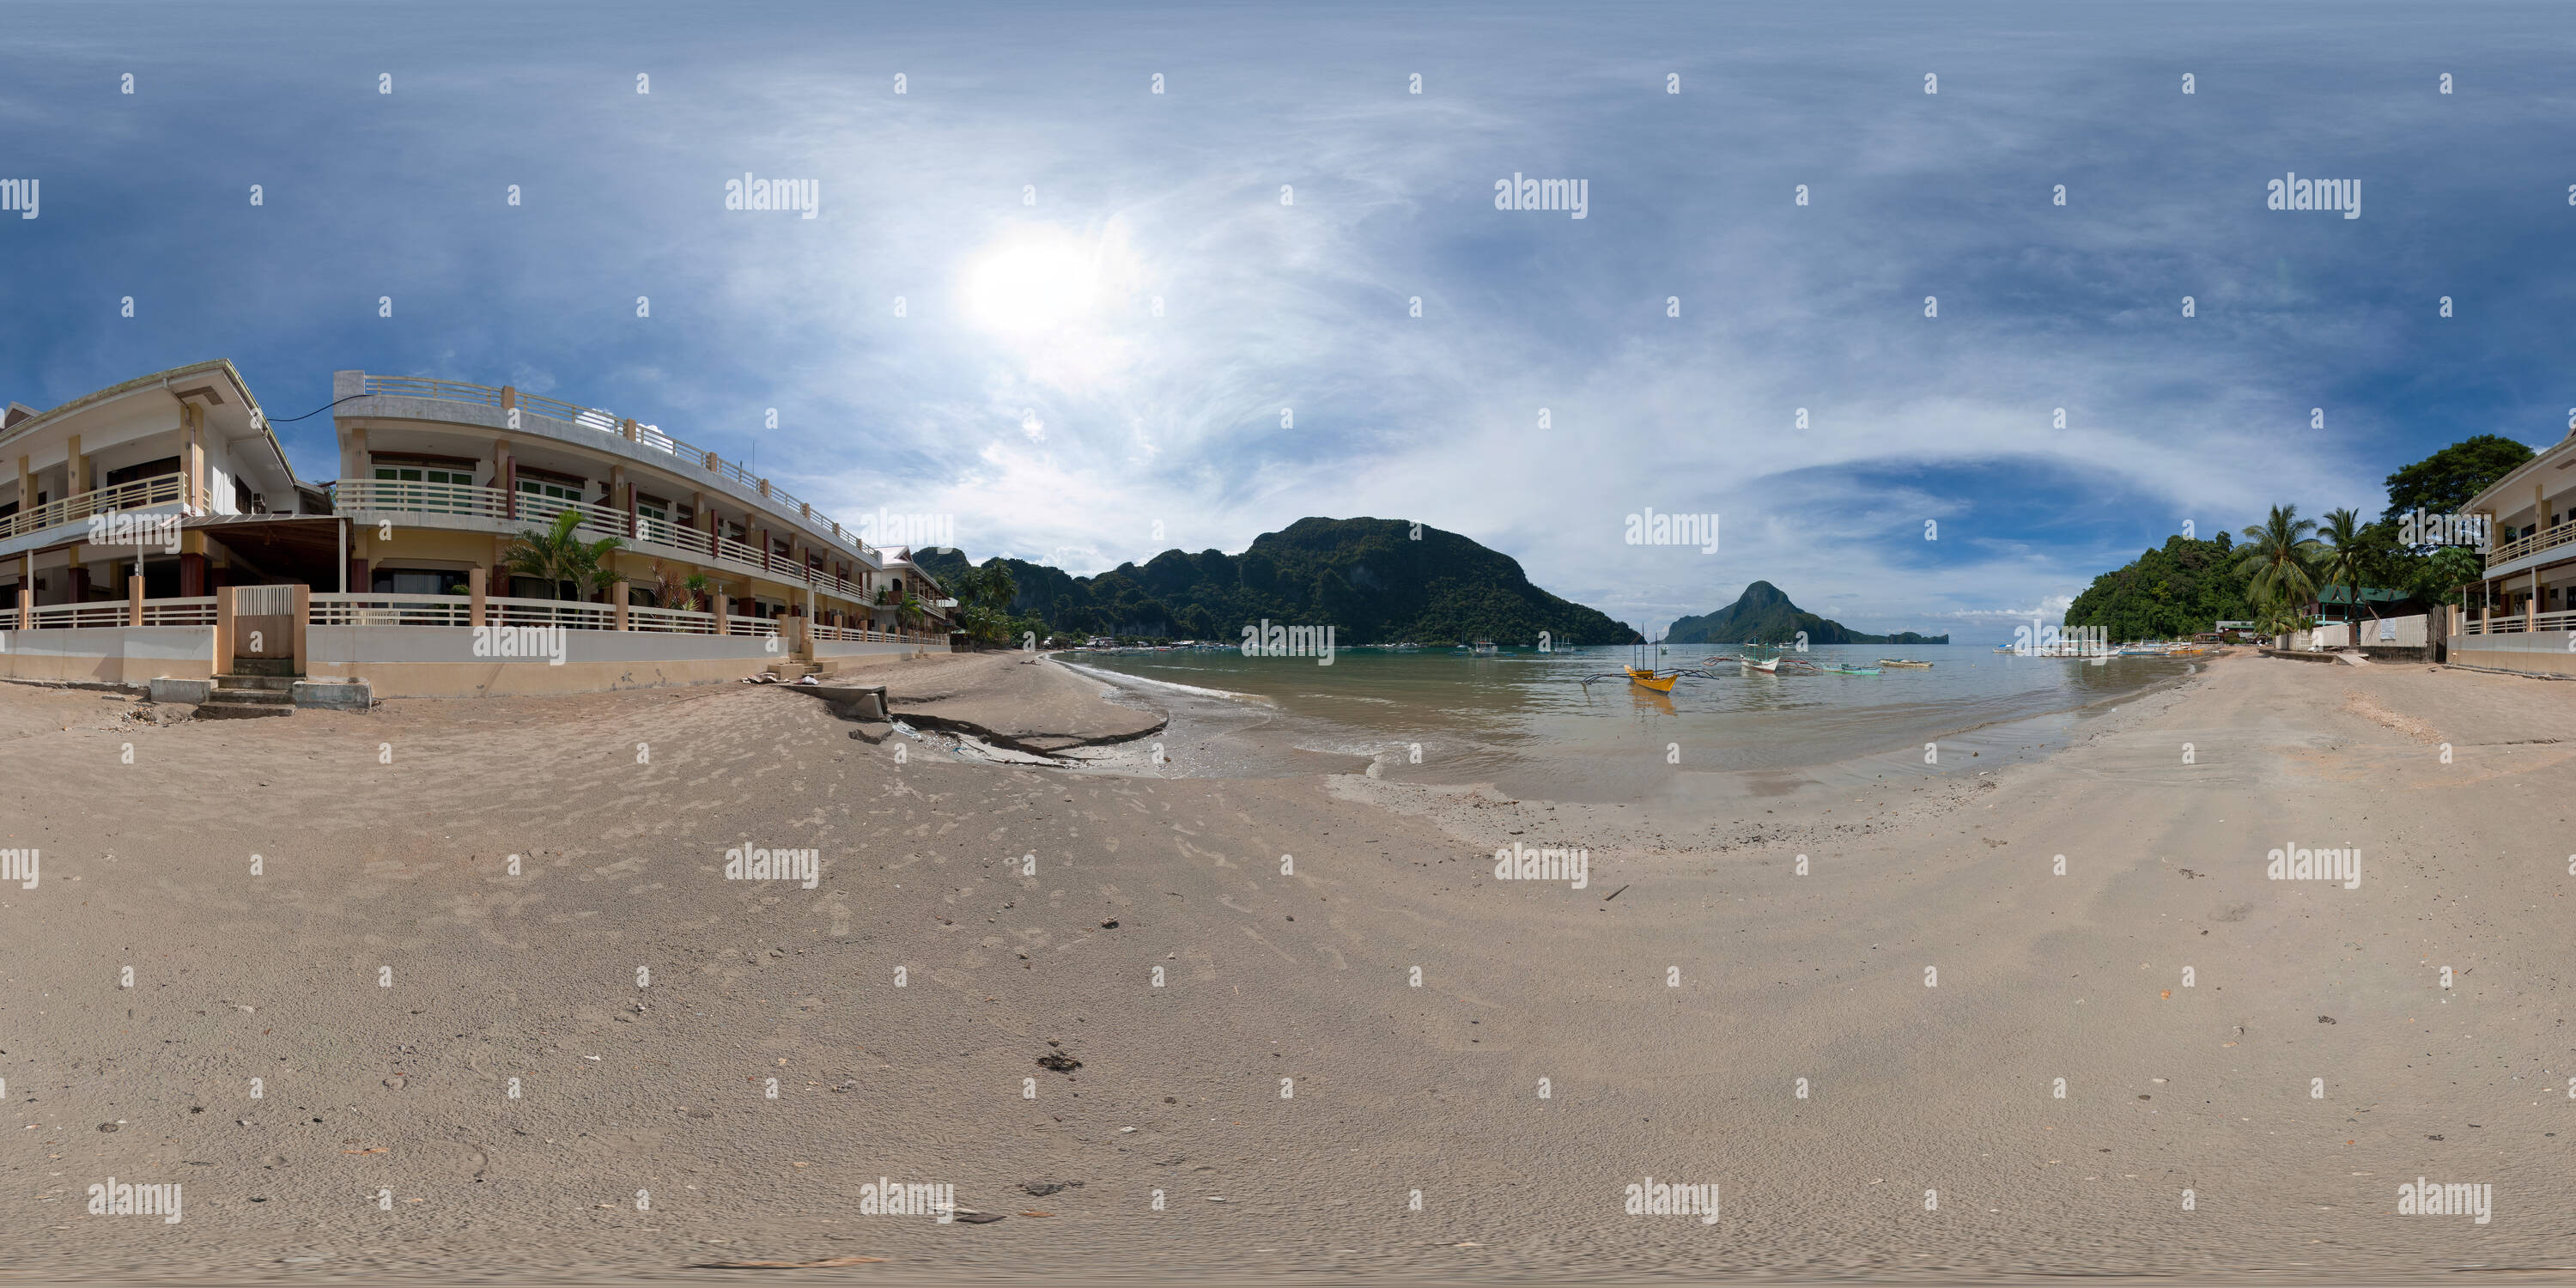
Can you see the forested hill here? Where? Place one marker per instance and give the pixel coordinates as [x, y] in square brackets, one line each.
[1374, 580]
[1763, 615]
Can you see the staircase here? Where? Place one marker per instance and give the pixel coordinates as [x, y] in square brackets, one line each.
[257, 687]
[790, 672]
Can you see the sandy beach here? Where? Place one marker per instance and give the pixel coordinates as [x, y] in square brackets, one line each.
[2251, 1066]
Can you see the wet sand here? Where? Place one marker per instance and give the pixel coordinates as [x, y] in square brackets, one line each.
[1671, 1005]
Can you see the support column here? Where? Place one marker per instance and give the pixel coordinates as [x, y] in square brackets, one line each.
[134, 601]
[27, 606]
[476, 596]
[618, 597]
[2531, 606]
[509, 482]
[75, 470]
[192, 576]
[192, 460]
[303, 616]
[224, 631]
[723, 606]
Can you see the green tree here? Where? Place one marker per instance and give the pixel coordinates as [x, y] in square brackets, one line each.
[2445, 482]
[2279, 560]
[2349, 556]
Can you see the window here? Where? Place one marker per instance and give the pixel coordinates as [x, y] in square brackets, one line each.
[241, 496]
[652, 519]
[147, 470]
[547, 487]
[420, 487]
[410, 581]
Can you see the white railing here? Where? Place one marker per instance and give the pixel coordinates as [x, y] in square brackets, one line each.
[268, 601]
[161, 490]
[2516, 623]
[862, 635]
[199, 611]
[677, 621]
[566, 613]
[392, 610]
[179, 612]
[539, 512]
[607, 422]
[2533, 544]
[536, 512]
[752, 626]
[99, 613]
[352, 495]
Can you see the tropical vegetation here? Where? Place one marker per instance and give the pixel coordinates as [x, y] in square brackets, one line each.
[2286, 562]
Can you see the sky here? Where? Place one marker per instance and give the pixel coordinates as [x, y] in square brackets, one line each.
[1093, 322]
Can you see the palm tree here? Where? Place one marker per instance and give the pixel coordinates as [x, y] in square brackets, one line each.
[2347, 555]
[556, 556]
[2279, 559]
[908, 613]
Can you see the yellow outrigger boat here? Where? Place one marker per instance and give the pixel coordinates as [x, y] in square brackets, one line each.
[1649, 680]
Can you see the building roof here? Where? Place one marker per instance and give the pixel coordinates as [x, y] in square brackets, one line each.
[2513, 491]
[221, 368]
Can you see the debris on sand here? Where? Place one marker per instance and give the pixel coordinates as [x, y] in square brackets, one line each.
[1040, 1189]
[1058, 1061]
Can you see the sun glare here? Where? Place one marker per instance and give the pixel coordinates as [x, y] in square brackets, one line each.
[1031, 286]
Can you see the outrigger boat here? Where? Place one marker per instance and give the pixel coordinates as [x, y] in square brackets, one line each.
[1649, 678]
[1899, 661]
[1659, 682]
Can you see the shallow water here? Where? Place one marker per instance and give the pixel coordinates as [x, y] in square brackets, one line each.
[1525, 720]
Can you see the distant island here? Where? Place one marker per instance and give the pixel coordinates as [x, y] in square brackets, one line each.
[1374, 580]
[1763, 615]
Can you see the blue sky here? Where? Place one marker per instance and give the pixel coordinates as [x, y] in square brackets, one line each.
[1031, 391]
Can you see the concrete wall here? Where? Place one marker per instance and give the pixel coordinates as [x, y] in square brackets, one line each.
[2547, 652]
[109, 654]
[849, 653]
[426, 661]
[439, 661]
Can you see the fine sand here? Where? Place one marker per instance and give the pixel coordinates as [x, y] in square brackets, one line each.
[387, 979]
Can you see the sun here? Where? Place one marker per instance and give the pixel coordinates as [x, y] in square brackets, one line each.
[1031, 285]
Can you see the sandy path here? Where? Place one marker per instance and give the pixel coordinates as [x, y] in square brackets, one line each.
[1306, 977]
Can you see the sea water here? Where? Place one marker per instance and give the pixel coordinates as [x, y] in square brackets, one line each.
[1524, 721]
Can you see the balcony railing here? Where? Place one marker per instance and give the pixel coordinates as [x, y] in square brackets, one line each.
[2563, 534]
[163, 490]
[536, 511]
[610, 423]
[2515, 623]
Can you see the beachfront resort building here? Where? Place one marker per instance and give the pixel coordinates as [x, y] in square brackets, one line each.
[460, 469]
[157, 504]
[2521, 615]
[186, 460]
